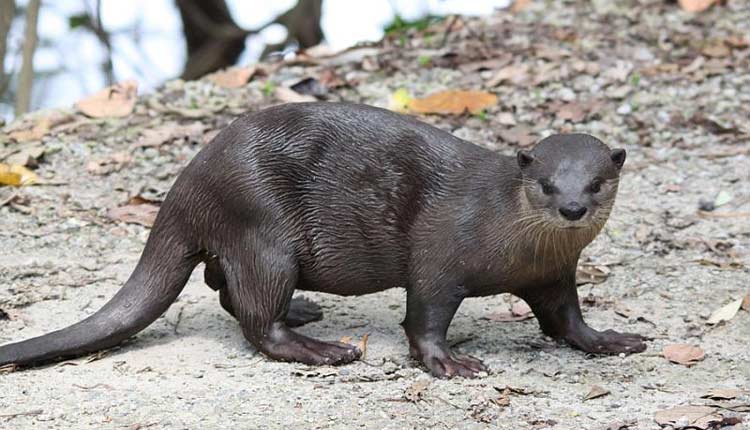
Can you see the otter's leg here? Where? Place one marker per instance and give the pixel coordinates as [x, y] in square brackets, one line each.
[559, 314]
[260, 289]
[301, 310]
[426, 324]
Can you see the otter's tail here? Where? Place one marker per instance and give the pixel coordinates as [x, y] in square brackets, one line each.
[162, 272]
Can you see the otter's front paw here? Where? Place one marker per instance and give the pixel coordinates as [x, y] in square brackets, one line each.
[608, 342]
[443, 363]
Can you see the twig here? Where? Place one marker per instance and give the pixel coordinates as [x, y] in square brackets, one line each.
[22, 414]
[448, 30]
[706, 214]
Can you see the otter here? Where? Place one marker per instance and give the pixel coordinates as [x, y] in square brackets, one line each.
[351, 199]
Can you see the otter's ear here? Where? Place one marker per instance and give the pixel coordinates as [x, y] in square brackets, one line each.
[524, 158]
[618, 157]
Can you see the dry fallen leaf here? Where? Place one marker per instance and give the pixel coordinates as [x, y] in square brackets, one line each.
[26, 155]
[137, 211]
[519, 5]
[722, 394]
[520, 308]
[415, 392]
[746, 302]
[288, 95]
[233, 77]
[696, 5]
[596, 392]
[519, 311]
[514, 73]
[38, 130]
[170, 131]
[572, 112]
[362, 345]
[16, 175]
[111, 163]
[700, 417]
[115, 101]
[519, 135]
[684, 354]
[587, 274]
[454, 102]
[725, 313]
[346, 339]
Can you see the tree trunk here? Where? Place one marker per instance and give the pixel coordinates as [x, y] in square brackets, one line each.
[7, 11]
[302, 24]
[26, 76]
[214, 41]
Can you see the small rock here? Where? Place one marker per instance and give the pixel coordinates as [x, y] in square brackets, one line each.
[624, 109]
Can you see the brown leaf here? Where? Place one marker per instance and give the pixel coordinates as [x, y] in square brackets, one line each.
[331, 79]
[111, 163]
[696, 5]
[288, 95]
[722, 394]
[519, 135]
[684, 354]
[346, 339]
[26, 155]
[362, 345]
[171, 131]
[572, 112]
[746, 302]
[415, 392]
[454, 102]
[38, 130]
[515, 74]
[115, 101]
[233, 77]
[520, 308]
[716, 49]
[725, 313]
[138, 211]
[596, 392]
[519, 5]
[587, 274]
[696, 416]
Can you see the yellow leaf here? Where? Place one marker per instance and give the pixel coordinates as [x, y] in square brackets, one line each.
[16, 175]
[400, 100]
[454, 102]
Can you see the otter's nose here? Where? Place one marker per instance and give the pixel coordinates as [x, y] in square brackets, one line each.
[573, 211]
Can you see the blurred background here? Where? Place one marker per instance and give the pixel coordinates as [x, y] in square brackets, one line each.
[54, 52]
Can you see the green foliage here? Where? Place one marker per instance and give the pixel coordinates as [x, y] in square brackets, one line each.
[268, 88]
[424, 60]
[80, 20]
[482, 116]
[400, 26]
[635, 79]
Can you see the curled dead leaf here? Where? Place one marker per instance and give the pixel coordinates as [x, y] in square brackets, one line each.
[233, 77]
[684, 354]
[138, 211]
[288, 95]
[453, 102]
[746, 302]
[362, 345]
[111, 163]
[596, 392]
[115, 101]
[725, 313]
[722, 394]
[16, 175]
[38, 130]
[700, 417]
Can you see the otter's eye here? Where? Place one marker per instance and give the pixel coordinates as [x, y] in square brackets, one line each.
[547, 188]
[595, 186]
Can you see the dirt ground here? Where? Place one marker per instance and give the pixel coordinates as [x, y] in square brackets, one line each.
[670, 87]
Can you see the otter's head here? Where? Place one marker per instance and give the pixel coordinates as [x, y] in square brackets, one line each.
[570, 180]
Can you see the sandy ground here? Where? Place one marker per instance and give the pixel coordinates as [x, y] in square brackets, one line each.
[61, 259]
